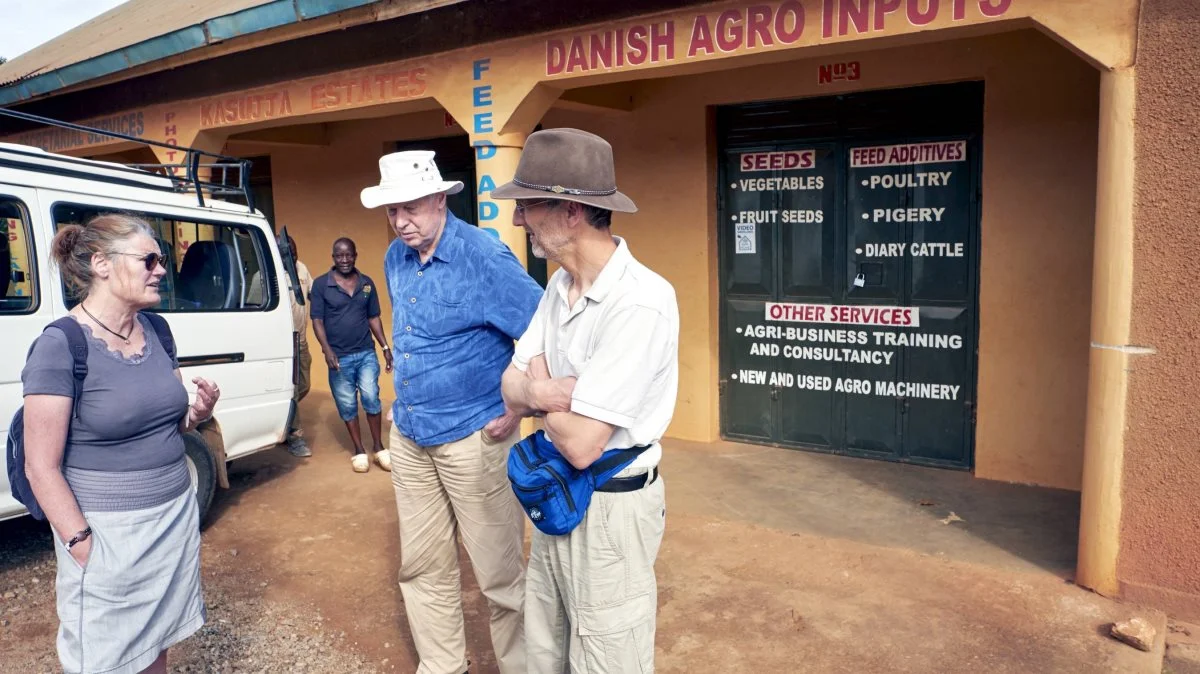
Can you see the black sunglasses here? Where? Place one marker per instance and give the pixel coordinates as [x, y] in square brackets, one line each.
[151, 260]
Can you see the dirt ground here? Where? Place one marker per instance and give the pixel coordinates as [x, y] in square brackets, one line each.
[773, 560]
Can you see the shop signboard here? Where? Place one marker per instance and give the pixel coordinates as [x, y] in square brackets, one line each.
[848, 276]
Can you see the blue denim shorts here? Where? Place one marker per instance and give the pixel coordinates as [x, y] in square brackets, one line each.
[358, 377]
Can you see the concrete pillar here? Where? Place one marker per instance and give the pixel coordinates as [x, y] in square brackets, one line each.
[495, 164]
[1112, 298]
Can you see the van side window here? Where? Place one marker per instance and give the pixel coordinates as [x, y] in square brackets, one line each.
[210, 267]
[18, 277]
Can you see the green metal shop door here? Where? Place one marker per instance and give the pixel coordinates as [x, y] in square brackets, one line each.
[848, 277]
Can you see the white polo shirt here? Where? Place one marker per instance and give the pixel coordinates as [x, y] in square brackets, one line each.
[621, 342]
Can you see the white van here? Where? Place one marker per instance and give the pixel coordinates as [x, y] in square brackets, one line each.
[224, 295]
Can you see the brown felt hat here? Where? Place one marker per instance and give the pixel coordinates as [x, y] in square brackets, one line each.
[567, 164]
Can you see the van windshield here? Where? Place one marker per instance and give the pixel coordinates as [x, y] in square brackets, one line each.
[210, 266]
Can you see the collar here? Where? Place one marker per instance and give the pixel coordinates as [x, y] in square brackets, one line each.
[446, 247]
[607, 279]
[330, 281]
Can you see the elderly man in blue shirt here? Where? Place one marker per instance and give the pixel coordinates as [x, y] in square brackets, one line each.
[459, 300]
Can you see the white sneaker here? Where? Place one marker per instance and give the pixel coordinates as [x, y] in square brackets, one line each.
[361, 463]
[384, 459]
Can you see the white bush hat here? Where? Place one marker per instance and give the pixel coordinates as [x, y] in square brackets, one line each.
[406, 176]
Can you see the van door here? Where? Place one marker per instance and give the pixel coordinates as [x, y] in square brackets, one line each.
[289, 264]
[24, 305]
[288, 257]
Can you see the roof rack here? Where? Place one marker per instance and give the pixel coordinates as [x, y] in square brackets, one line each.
[184, 176]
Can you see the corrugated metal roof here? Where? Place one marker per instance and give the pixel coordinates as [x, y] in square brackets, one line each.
[143, 31]
[128, 24]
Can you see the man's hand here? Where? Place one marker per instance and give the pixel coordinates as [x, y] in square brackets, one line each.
[531, 392]
[554, 395]
[332, 361]
[502, 426]
[551, 395]
[387, 358]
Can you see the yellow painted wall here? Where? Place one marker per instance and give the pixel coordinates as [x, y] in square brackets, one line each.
[316, 192]
[1038, 232]
[661, 152]
[1039, 175]
[1038, 208]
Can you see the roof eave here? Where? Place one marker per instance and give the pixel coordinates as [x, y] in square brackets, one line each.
[245, 29]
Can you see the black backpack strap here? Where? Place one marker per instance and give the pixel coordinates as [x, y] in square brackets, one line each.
[77, 343]
[163, 330]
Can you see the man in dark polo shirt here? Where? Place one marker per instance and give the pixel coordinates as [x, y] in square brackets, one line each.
[345, 314]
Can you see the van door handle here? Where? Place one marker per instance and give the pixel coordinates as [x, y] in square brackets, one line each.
[212, 359]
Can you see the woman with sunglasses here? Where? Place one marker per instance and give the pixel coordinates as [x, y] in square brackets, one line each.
[111, 475]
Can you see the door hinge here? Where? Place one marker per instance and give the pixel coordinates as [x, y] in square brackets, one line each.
[721, 384]
[774, 393]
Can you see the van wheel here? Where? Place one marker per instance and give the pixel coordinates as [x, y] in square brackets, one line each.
[201, 471]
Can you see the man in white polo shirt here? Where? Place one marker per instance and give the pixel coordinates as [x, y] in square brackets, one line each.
[600, 362]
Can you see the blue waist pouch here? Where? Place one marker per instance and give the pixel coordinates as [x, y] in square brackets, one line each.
[554, 493]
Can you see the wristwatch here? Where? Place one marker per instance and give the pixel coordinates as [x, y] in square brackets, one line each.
[79, 537]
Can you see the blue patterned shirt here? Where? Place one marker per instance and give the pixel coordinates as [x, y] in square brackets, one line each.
[454, 320]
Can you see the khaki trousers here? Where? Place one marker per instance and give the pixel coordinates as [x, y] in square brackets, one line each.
[302, 388]
[459, 489]
[591, 596]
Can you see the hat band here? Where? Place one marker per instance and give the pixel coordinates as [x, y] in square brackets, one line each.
[559, 189]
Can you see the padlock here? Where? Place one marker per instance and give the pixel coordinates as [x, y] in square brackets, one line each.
[860, 280]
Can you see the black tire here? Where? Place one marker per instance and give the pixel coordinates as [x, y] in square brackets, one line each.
[202, 471]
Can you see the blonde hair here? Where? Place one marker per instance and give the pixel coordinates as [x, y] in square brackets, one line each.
[74, 246]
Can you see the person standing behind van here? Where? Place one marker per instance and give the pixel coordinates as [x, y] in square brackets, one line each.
[295, 441]
[345, 314]
[113, 480]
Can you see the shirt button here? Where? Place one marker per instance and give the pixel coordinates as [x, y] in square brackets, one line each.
[413, 300]
[420, 273]
[408, 328]
[406, 382]
[406, 355]
[410, 408]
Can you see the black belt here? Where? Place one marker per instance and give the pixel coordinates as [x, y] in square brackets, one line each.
[632, 483]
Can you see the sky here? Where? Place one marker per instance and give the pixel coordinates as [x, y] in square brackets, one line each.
[24, 24]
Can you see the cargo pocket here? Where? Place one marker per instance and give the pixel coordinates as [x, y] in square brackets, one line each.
[493, 463]
[618, 637]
